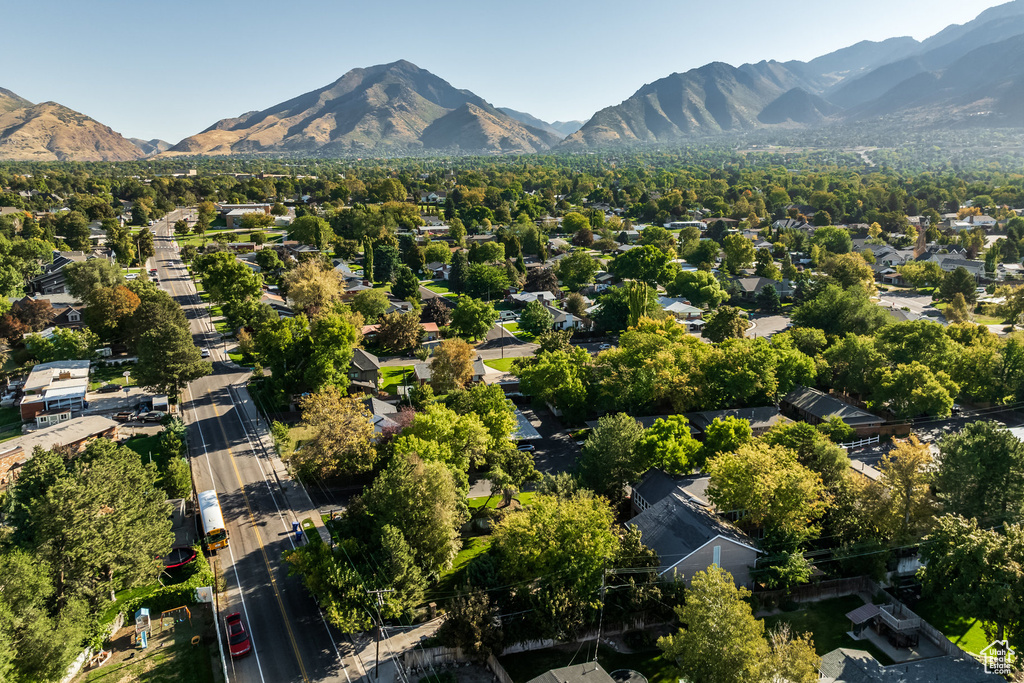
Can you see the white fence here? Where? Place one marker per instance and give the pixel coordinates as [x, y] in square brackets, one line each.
[863, 442]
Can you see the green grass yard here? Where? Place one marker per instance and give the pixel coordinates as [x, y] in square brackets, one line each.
[967, 634]
[502, 364]
[10, 418]
[520, 334]
[438, 287]
[979, 318]
[392, 377]
[108, 374]
[826, 621]
[524, 498]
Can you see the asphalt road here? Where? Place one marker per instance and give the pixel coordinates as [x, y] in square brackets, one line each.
[291, 641]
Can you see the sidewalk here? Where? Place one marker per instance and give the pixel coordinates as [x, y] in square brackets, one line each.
[398, 640]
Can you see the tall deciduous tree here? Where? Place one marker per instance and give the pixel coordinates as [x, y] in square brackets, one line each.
[420, 499]
[400, 332]
[981, 473]
[699, 287]
[313, 286]
[407, 285]
[473, 318]
[771, 488]
[726, 323]
[169, 360]
[451, 367]
[667, 444]
[341, 441]
[312, 230]
[85, 276]
[371, 304]
[610, 458]
[722, 642]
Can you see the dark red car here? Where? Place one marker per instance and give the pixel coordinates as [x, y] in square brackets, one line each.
[238, 638]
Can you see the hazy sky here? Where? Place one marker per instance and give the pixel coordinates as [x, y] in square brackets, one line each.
[170, 69]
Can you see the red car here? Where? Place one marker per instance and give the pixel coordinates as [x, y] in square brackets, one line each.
[238, 639]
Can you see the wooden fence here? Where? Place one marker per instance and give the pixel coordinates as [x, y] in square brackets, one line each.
[833, 588]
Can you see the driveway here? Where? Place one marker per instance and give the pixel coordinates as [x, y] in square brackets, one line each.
[767, 325]
[556, 451]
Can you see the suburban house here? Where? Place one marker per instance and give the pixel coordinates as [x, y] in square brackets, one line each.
[72, 435]
[814, 407]
[761, 419]
[587, 672]
[563, 320]
[750, 287]
[437, 270]
[845, 665]
[61, 384]
[689, 537]
[680, 309]
[52, 280]
[365, 369]
[422, 372]
[522, 298]
[381, 413]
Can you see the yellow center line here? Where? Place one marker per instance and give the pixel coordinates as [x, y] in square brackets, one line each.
[259, 539]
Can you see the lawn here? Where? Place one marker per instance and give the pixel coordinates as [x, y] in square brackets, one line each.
[455, 578]
[9, 417]
[124, 596]
[979, 318]
[502, 364]
[438, 287]
[520, 334]
[826, 621]
[392, 377]
[524, 498]
[107, 374]
[524, 666]
[967, 634]
[146, 445]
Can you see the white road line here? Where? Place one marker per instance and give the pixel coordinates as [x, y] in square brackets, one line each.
[234, 565]
[284, 524]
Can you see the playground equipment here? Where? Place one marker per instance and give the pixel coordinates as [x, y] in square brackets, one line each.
[178, 615]
[142, 627]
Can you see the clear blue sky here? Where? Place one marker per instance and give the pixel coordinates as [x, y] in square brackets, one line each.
[170, 69]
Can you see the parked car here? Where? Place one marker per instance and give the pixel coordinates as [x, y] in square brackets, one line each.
[124, 416]
[604, 347]
[527, 448]
[153, 416]
[238, 637]
[109, 388]
[205, 353]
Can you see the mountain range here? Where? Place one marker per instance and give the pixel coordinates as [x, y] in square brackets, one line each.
[965, 75]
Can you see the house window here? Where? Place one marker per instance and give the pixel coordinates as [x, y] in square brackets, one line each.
[716, 556]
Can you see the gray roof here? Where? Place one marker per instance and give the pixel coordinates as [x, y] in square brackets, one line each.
[59, 434]
[658, 484]
[844, 665]
[762, 417]
[365, 361]
[379, 407]
[676, 527]
[823, 406]
[588, 672]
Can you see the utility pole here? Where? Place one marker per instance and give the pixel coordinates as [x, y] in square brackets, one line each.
[379, 626]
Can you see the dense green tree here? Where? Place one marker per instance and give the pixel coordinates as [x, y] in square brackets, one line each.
[486, 282]
[420, 499]
[615, 313]
[833, 239]
[981, 473]
[340, 435]
[312, 230]
[577, 270]
[63, 344]
[739, 252]
[371, 304]
[473, 318]
[976, 572]
[407, 285]
[959, 281]
[459, 272]
[85, 276]
[560, 378]
[913, 389]
[645, 263]
[725, 435]
[768, 299]
[699, 287]
[168, 360]
[385, 262]
[835, 311]
[536, 319]
[668, 445]
[610, 458]
[332, 339]
[727, 322]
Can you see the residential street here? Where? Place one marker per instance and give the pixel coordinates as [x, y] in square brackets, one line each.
[291, 640]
